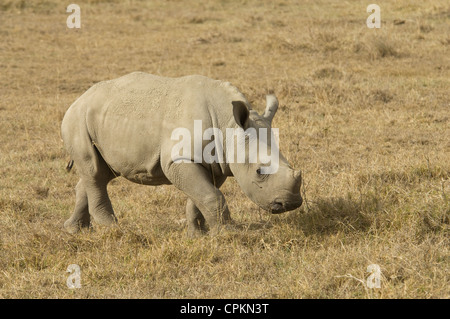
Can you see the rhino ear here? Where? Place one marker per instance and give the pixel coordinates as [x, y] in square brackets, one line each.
[271, 107]
[241, 114]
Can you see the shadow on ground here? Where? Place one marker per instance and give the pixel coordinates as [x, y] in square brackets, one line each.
[325, 216]
[336, 214]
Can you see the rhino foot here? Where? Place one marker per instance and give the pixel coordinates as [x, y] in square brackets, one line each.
[195, 232]
[75, 226]
[105, 219]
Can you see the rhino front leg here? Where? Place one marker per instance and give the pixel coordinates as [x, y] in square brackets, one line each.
[80, 217]
[206, 201]
[195, 219]
[196, 222]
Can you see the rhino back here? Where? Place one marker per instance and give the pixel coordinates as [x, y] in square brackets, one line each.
[130, 118]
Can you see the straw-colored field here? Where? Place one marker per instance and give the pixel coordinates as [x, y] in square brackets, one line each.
[364, 113]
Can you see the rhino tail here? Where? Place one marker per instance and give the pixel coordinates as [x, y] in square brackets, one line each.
[69, 165]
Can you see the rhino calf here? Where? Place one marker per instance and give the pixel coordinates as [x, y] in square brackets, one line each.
[123, 127]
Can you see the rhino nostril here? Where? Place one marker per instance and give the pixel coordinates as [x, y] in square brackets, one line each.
[277, 206]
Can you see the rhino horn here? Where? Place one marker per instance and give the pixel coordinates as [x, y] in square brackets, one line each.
[298, 175]
[298, 178]
[271, 107]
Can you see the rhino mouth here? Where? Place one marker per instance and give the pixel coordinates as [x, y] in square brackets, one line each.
[278, 207]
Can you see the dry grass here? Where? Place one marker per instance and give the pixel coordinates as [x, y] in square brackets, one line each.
[364, 113]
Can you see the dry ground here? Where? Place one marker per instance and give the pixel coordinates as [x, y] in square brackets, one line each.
[364, 113]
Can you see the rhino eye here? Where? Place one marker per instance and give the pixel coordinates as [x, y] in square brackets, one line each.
[261, 175]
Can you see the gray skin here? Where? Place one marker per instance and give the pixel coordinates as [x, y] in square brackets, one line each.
[123, 127]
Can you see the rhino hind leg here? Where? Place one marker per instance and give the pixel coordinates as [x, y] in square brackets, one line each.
[80, 218]
[100, 207]
[95, 175]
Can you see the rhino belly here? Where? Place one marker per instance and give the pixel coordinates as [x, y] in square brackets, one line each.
[131, 147]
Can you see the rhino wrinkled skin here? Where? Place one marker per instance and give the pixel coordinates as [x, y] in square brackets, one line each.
[123, 127]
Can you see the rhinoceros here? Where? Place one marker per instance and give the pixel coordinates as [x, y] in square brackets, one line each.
[124, 127]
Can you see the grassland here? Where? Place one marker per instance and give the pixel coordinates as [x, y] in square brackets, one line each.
[364, 113]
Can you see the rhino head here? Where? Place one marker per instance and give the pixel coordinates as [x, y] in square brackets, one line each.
[274, 187]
